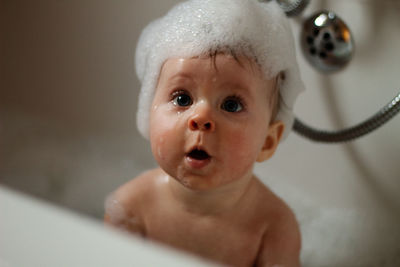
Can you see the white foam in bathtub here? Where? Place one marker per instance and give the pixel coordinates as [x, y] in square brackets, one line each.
[341, 237]
[114, 209]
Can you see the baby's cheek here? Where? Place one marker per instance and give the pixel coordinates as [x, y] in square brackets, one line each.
[161, 124]
[243, 150]
[164, 137]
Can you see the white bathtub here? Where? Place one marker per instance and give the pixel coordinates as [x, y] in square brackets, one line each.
[36, 233]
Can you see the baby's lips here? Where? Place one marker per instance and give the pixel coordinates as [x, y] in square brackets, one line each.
[198, 155]
[197, 163]
[198, 151]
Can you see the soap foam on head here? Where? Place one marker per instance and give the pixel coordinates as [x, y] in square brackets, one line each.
[257, 30]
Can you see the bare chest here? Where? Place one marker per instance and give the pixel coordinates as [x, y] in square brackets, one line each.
[226, 240]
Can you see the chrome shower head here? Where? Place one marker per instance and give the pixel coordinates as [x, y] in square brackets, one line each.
[327, 41]
[293, 7]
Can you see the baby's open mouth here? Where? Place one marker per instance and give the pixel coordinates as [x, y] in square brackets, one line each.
[198, 154]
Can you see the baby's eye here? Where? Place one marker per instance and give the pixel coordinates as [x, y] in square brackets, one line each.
[232, 104]
[182, 99]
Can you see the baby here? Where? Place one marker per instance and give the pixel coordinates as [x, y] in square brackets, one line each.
[219, 80]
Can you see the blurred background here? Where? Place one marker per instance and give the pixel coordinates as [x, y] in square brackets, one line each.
[68, 94]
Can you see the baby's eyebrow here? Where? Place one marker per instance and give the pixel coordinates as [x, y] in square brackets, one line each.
[237, 87]
[180, 75]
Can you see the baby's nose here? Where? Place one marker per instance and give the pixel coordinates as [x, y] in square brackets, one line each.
[202, 126]
[201, 120]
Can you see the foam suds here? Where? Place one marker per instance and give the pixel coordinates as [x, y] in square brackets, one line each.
[119, 217]
[194, 28]
[114, 210]
[339, 236]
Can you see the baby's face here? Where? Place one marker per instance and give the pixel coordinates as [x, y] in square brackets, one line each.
[209, 120]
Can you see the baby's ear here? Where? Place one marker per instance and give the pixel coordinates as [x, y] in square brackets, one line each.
[275, 132]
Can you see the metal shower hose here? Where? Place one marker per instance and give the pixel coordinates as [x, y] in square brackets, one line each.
[293, 8]
[351, 133]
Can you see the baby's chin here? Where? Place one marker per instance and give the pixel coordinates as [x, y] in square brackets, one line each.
[194, 182]
[197, 183]
[203, 183]
[204, 179]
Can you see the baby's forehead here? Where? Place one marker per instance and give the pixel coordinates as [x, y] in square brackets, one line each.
[241, 74]
[219, 64]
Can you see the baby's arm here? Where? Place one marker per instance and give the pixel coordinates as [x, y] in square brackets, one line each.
[118, 216]
[122, 207]
[281, 244]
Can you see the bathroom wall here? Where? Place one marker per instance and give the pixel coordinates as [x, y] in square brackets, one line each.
[68, 95]
[68, 98]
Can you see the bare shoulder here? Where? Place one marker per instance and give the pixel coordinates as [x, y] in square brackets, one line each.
[270, 203]
[124, 207]
[136, 188]
[281, 242]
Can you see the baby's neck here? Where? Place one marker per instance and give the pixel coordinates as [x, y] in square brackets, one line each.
[215, 201]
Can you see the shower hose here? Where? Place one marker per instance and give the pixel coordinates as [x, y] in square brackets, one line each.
[351, 133]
